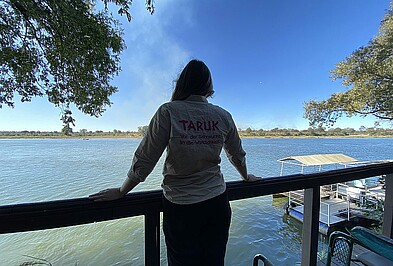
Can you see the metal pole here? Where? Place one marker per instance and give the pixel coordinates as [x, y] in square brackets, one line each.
[328, 214]
[282, 168]
[387, 228]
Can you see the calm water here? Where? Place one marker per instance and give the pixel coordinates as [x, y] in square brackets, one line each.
[48, 169]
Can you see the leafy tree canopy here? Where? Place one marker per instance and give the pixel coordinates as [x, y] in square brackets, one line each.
[368, 72]
[65, 50]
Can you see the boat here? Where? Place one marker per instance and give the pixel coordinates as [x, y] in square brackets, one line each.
[340, 204]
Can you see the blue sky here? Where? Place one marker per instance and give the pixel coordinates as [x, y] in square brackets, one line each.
[267, 59]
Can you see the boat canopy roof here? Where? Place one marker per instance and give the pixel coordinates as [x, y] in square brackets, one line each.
[319, 159]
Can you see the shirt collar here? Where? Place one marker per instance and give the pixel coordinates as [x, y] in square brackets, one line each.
[197, 98]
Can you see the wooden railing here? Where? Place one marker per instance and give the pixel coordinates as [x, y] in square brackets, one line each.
[62, 213]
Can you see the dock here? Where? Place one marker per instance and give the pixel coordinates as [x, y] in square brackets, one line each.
[333, 212]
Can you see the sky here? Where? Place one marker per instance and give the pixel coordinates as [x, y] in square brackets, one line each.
[267, 58]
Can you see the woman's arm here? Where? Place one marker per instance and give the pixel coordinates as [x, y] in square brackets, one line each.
[237, 155]
[145, 158]
[242, 169]
[114, 193]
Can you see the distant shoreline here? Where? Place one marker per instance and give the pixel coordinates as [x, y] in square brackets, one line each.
[72, 137]
[140, 136]
[275, 133]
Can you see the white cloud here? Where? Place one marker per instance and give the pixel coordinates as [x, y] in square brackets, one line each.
[150, 64]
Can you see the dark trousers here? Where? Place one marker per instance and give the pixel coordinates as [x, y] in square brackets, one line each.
[197, 234]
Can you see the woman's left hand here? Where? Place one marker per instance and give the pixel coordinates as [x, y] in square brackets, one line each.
[107, 195]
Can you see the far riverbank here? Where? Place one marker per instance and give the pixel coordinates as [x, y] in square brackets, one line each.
[139, 136]
[247, 133]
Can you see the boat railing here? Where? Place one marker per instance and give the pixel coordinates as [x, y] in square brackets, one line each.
[295, 198]
[327, 208]
[356, 194]
[326, 211]
[341, 191]
[375, 198]
[63, 213]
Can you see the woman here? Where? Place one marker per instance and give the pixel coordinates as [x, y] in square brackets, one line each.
[196, 210]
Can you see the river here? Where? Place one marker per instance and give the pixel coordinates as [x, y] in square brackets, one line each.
[34, 170]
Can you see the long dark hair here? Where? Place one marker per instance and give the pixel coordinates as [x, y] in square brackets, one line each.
[195, 79]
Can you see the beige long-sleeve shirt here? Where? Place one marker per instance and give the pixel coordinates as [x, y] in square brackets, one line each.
[193, 132]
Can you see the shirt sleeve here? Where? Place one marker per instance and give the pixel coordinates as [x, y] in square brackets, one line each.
[233, 148]
[151, 147]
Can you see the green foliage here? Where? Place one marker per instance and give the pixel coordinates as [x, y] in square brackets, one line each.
[273, 133]
[368, 72]
[125, 6]
[67, 130]
[64, 50]
[143, 129]
[372, 208]
[318, 132]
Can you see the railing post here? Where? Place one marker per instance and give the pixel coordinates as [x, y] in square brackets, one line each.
[328, 215]
[310, 226]
[387, 228]
[152, 239]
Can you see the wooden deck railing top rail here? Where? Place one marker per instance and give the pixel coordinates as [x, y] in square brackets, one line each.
[62, 213]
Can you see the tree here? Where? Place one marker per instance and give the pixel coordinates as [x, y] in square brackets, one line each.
[368, 73]
[67, 130]
[65, 50]
[143, 129]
